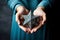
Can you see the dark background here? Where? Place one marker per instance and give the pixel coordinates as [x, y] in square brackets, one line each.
[5, 20]
[6, 16]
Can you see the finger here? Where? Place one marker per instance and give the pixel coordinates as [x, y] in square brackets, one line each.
[25, 12]
[44, 19]
[35, 13]
[23, 28]
[32, 31]
[28, 30]
[17, 18]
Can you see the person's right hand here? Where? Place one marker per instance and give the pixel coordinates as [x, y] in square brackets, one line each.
[21, 10]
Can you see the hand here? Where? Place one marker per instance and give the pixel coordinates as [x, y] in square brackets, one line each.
[21, 11]
[39, 12]
[27, 30]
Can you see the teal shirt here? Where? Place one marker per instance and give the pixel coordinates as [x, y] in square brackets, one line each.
[30, 4]
[16, 32]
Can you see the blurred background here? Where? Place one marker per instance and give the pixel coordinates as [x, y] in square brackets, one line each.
[6, 18]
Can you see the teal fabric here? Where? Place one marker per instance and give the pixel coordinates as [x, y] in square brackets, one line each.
[16, 32]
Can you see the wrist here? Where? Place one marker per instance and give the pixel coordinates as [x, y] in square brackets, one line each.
[42, 8]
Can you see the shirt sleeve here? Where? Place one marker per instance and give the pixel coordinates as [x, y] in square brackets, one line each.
[13, 4]
[45, 3]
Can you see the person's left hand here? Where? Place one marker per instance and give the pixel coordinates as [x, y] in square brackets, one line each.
[39, 12]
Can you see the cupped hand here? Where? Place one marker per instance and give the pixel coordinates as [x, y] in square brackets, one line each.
[39, 12]
[21, 10]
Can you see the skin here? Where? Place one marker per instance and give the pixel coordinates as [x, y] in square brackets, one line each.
[21, 10]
